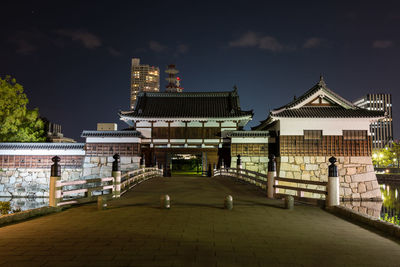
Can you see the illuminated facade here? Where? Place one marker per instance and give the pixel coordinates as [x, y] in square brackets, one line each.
[382, 130]
[144, 78]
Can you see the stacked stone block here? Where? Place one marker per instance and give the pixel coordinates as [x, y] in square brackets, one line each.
[357, 176]
[101, 166]
[31, 182]
[257, 164]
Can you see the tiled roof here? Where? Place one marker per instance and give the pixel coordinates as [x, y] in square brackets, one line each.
[248, 134]
[321, 85]
[187, 105]
[48, 146]
[110, 134]
[328, 112]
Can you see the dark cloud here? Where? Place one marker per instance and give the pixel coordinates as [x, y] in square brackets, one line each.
[157, 47]
[382, 44]
[313, 42]
[114, 52]
[265, 42]
[87, 39]
[27, 42]
[182, 49]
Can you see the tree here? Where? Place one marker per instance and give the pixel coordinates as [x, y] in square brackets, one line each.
[17, 123]
[396, 153]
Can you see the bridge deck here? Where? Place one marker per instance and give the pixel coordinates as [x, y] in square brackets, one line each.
[195, 232]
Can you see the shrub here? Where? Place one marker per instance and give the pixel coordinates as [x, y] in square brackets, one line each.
[5, 207]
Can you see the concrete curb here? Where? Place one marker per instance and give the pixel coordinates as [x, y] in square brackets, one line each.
[386, 227]
[27, 214]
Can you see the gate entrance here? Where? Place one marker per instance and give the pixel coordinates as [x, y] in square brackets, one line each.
[187, 164]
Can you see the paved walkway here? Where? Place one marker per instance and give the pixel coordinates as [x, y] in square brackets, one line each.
[134, 231]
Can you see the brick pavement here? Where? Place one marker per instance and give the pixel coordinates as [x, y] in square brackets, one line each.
[196, 231]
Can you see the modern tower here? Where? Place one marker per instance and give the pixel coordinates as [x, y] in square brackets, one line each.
[382, 130]
[144, 78]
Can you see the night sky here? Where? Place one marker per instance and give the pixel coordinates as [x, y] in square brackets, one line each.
[73, 57]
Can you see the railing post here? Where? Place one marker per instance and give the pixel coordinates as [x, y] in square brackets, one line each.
[142, 162]
[238, 166]
[54, 190]
[333, 199]
[271, 176]
[116, 173]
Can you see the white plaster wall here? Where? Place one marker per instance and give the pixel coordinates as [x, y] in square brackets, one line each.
[113, 140]
[177, 124]
[195, 124]
[160, 124]
[146, 132]
[43, 152]
[143, 124]
[249, 140]
[329, 126]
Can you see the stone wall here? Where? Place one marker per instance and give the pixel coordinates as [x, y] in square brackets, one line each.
[366, 207]
[357, 176]
[257, 164]
[95, 166]
[24, 182]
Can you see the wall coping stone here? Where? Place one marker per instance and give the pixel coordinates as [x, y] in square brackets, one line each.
[27, 214]
[358, 217]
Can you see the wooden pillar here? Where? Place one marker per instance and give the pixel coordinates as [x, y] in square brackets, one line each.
[202, 132]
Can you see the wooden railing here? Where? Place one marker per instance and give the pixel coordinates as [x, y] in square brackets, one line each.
[261, 180]
[135, 177]
[73, 196]
[83, 191]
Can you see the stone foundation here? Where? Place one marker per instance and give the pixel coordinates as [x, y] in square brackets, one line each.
[101, 166]
[357, 176]
[257, 164]
[23, 182]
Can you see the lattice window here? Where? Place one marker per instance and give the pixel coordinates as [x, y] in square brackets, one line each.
[354, 134]
[312, 134]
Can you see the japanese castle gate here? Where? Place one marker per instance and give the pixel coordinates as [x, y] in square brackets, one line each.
[186, 123]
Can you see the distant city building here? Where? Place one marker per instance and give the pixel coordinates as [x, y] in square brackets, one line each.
[382, 130]
[54, 134]
[144, 78]
[102, 126]
[174, 83]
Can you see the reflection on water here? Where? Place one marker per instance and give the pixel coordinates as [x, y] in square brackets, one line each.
[26, 203]
[388, 209]
[391, 204]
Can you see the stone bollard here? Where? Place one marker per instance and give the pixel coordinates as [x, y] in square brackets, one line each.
[116, 173]
[333, 198]
[228, 203]
[55, 176]
[271, 176]
[101, 203]
[165, 202]
[289, 202]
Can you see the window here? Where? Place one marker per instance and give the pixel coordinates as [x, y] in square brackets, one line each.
[312, 134]
[354, 134]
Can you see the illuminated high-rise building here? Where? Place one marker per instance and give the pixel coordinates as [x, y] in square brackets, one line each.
[144, 78]
[382, 130]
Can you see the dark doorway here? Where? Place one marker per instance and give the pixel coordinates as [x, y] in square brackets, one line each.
[186, 164]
